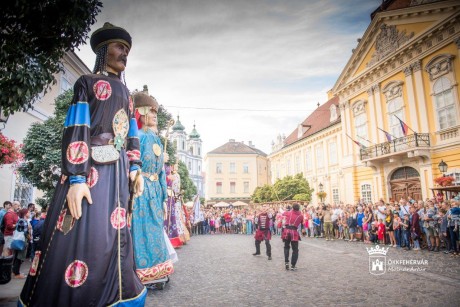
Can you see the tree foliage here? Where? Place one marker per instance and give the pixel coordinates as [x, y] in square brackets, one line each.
[42, 149]
[289, 188]
[34, 38]
[187, 185]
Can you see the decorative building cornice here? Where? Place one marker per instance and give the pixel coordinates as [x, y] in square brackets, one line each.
[439, 65]
[393, 90]
[413, 50]
[359, 107]
[388, 40]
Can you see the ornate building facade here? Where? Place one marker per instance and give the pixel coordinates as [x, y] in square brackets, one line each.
[403, 73]
[189, 151]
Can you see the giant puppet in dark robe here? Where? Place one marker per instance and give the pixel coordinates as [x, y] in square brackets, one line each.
[88, 261]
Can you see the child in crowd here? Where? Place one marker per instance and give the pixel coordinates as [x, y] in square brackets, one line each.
[373, 234]
[381, 232]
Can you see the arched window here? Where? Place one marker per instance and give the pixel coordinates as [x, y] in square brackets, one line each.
[395, 108]
[361, 126]
[444, 103]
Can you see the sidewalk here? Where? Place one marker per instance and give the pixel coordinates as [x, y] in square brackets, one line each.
[9, 292]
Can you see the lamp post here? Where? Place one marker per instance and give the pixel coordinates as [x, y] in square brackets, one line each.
[443, 167]
[321, 190]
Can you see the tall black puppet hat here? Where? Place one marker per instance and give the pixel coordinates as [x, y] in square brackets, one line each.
[109, 34]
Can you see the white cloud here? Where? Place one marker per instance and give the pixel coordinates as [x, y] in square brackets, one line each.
[237, 54]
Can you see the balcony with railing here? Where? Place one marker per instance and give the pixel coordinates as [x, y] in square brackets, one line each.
[412, 145]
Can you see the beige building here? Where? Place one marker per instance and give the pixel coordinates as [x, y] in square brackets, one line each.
[233, 171]
[406, 66]
[12, 186]
[313, 149]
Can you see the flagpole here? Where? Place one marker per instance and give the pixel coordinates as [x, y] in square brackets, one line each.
[365, 139]
[387, 132]
[405, 124]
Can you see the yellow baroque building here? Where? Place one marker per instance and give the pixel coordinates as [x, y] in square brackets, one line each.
[405, 69]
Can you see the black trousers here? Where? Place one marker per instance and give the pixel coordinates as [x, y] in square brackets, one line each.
[200, 228]
[267, 245]
[16, 264]
[295, 251]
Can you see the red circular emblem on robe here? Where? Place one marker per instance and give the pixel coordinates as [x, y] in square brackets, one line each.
[118, 218]
[102, 90]
[76, 274]
[77, 152]
[93, 177]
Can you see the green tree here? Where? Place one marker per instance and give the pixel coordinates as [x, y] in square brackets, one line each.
[187, 185]
[42, 150]
[163, 119]
[263, 194]
[34, 37]
[290, 186]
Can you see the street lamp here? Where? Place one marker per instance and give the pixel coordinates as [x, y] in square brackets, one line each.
[442, 167]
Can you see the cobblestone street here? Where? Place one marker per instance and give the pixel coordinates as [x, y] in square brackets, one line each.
[219, 269]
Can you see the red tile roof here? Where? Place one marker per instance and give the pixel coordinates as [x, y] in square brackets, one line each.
[315, 122]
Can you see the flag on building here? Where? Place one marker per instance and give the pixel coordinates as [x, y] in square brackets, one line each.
[405, 128]
[387, 135]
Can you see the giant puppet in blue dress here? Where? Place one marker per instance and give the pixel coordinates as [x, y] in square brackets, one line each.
[150, 251]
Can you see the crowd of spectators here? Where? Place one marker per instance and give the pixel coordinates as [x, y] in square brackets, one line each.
[29, 221]
[431, 225]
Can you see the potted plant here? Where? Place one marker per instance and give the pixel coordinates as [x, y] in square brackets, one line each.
[444, 181]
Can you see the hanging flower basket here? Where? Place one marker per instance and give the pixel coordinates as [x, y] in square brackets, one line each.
[321, 195]
[10, 152]
[444, 181]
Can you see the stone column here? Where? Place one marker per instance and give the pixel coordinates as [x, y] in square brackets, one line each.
[378, 111]
[349, 129]
[344, 129]
[411, 98]
[420, 92]
[372, 117]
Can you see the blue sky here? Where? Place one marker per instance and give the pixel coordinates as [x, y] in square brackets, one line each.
[257, 55]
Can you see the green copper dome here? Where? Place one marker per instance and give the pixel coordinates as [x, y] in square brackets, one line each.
[178, 125]
[194, 134]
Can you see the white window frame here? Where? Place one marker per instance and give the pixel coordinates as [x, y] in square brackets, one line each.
[233, 187]
[219, 168]
[319, 156]
[366, 192]
[232, 169]
[450, 109]
[219, 187]
[333, 153]
[246, 186]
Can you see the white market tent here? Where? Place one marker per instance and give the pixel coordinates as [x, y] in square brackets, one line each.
[221, 204]
[239, 204]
